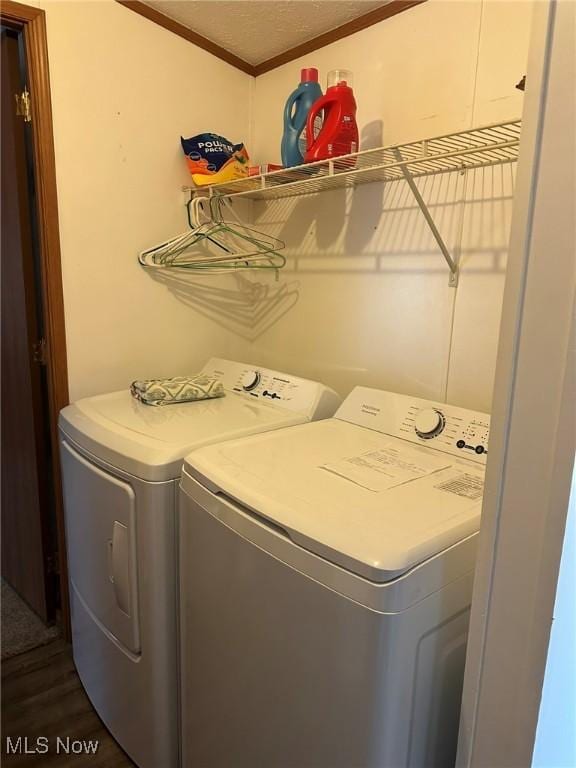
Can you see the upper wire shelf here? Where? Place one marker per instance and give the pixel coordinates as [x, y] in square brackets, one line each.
[478, 148]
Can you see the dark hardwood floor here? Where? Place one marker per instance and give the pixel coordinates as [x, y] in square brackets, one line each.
[42, 697]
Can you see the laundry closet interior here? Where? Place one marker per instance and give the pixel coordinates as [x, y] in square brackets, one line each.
[354, 298]
[364, 298]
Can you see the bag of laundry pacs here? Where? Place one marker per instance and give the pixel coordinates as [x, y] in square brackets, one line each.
[213, 159]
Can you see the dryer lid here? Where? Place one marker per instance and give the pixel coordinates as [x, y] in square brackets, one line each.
[374, 504]
[149, 442]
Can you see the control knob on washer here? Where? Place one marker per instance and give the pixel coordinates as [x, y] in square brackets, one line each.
[429, 422]
[250, 380]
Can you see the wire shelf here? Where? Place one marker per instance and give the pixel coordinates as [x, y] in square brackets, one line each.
[478, 148]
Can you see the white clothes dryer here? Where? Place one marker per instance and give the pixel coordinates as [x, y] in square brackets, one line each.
[121, 462]
[325, 588]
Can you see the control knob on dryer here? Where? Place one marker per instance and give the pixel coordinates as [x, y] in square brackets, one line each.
[429, 422]
[250, 380]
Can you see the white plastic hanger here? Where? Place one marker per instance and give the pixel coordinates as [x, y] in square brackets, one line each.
[213, 244]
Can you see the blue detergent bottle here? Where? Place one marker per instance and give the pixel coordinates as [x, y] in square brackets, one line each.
[295, 115]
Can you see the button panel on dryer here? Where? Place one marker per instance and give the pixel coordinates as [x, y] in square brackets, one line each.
[268, 386]
[276, 388]
[265, 384]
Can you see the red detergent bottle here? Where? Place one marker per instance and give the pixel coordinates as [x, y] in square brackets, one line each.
[339, 133]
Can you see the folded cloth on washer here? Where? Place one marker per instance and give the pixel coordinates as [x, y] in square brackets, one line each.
[180, 389]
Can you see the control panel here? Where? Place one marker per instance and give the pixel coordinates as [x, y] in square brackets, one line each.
[274, 388]
[447, 428]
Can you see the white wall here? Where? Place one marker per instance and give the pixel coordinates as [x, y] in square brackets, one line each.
[555, 745]
[370, 288]
[365, 297]
[123, 91]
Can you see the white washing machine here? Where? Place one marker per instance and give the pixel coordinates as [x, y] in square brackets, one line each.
[121, 462]
[325, 588]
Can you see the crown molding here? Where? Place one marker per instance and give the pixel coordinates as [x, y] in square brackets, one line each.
[193, 37]
[345, 30]
[386, 11]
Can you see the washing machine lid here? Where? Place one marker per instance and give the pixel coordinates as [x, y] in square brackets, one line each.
[375, 504]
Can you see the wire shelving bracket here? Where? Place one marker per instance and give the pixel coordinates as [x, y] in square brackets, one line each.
[452, 264]
[477, 148]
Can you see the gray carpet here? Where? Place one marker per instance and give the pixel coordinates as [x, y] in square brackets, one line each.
[22, 630]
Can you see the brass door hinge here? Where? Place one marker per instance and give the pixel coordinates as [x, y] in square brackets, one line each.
[39, 351]
[23, 108]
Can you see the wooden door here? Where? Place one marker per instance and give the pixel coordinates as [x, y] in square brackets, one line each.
[25, 445]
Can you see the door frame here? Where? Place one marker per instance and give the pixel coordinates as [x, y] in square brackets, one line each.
[31, 22]
[532, 437]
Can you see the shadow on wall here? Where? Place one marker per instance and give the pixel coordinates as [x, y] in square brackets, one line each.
[379, 228]
[371, 229]
[242, 305]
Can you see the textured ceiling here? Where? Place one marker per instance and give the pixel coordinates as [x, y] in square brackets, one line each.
[257, 30]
